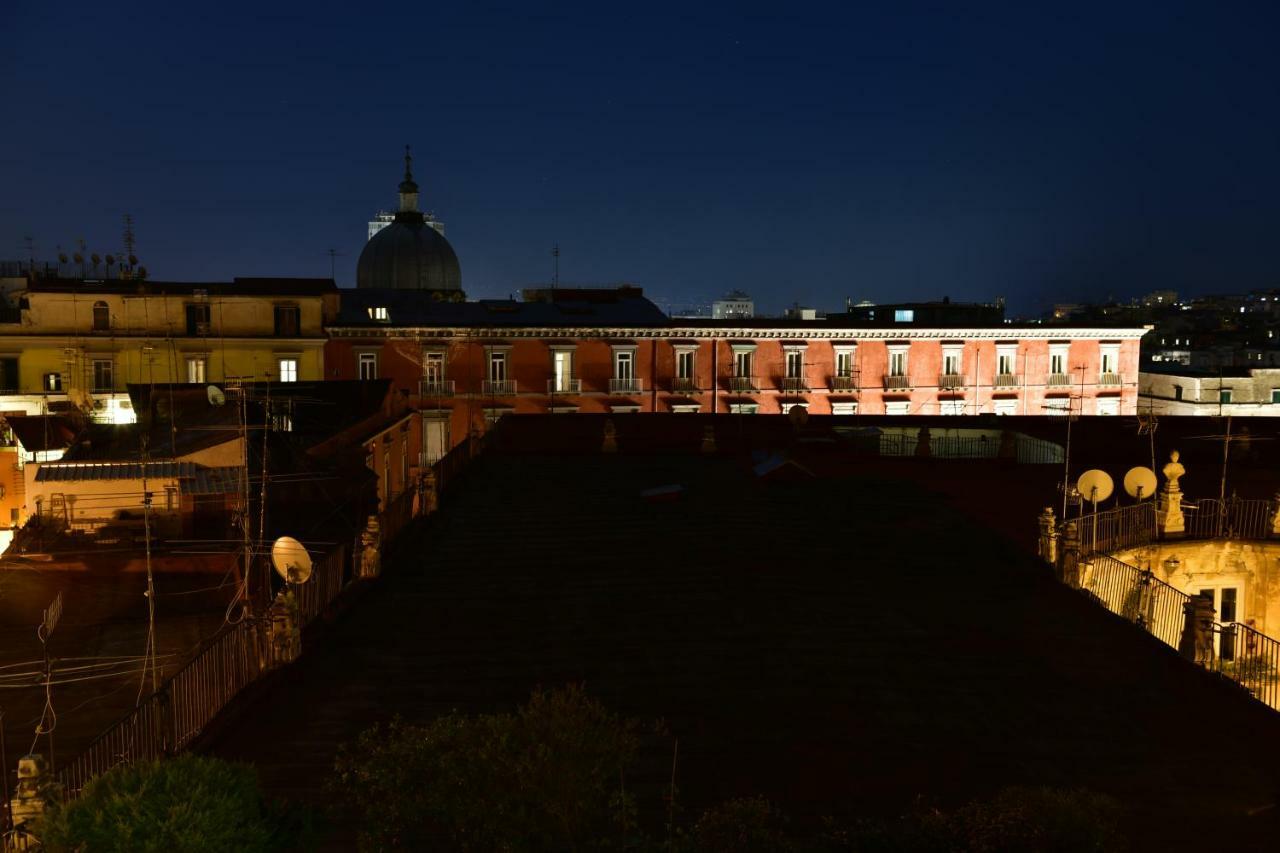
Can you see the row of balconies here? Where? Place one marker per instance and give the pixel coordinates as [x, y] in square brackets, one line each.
[949, 382]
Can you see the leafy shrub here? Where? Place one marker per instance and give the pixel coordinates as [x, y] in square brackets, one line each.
[547, 777]
[184, 803]
[746, 825]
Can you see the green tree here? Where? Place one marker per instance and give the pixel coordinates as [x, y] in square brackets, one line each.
[745, 825]
[550, 776]
[186, 803]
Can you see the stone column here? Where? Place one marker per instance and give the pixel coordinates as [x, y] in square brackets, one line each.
[1047, 549]
[1196, 643]
[1169, 502]
[1069, 563]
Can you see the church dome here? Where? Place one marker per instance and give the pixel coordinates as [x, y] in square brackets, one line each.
[409, 254]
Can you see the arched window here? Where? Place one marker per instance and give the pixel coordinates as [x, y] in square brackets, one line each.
[101, 317]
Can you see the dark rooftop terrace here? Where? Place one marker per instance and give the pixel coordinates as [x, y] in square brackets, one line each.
[841, 645]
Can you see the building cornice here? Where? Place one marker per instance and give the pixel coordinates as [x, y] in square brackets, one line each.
[757, 333]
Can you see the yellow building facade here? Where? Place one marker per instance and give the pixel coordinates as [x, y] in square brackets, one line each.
[78, 344]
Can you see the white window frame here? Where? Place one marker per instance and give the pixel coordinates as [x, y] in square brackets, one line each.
[744, 355]
[953, 359]
[899, 360]
[685, 409]
[562, 369]
[367, 365]
[897, 407]
[1060, 357]
[1109, 358]
[494, 372]
[624, 363]
[686, 363]
[845, 361]
[744, 408]
[844, 408]
[1005, 407]
[1107, 406]
[951, 407]
[287, 368]
[433, 366]
[793, 358]
[1006, 359]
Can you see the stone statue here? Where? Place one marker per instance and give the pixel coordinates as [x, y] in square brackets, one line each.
[1169, 501]
[1173, 471]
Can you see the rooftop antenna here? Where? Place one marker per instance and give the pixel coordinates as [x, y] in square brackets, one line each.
[30, 244]
[130, 243]
[333, 255]
[1140, 483]
[1095, 486]
[555, 275]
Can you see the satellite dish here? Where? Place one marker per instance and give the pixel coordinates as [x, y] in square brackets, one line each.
[291, 559]
[216, 397]
[1140, 482]
[1095, 485]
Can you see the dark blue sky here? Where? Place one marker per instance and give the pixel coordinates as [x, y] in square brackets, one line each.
[800, 152]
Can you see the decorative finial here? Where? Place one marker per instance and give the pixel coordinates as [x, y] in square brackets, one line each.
[408, 164]
[408, 188]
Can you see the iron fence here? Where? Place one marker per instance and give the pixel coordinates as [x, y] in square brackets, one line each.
[1251, 659]
[1137, 596]
[1233, 518]
[1115, 529]
[1025, 449]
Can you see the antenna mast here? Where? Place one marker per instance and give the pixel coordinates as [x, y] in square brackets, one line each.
[555, 275]
[333, 255]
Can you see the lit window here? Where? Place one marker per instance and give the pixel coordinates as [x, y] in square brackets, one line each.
[368, 362]
[288, 369]
[196, 369]
[379, 312]
[53, 382]
[904, 315]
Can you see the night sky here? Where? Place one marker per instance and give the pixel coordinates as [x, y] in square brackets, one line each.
[802, 153]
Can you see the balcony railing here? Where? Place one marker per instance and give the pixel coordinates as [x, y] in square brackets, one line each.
[1059, 380]
[742, 384]
[1006, 380]
[844, 383]
[948, 382]
[897, 383]
[624, 386]
[793, 385]
[1109, 379]
[436, 388]
[564, 386]
[499, 386]
[684, 385]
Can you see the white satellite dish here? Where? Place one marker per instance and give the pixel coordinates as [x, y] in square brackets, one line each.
[1095, 485]
[216, 397]
[1140, 482]
[291, 559]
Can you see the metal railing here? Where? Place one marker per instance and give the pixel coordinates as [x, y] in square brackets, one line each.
[625, 386]
[793, 385]
[1006, 380]
[1136, 595]
[742, 384]
[844, 383]
[564, 385]
[684, 384]
[1252, 659]
[1109, 379]
[951, 382]
[1115, 529]
[1233, 518]
[499, 386]
[1059, 380]
[436, 388]
[896, 383]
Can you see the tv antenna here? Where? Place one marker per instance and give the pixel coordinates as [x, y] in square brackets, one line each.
[333, 254]
[216, 397]
[1095, 486]
[291, 560]
[130, 242]
[555, 273]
